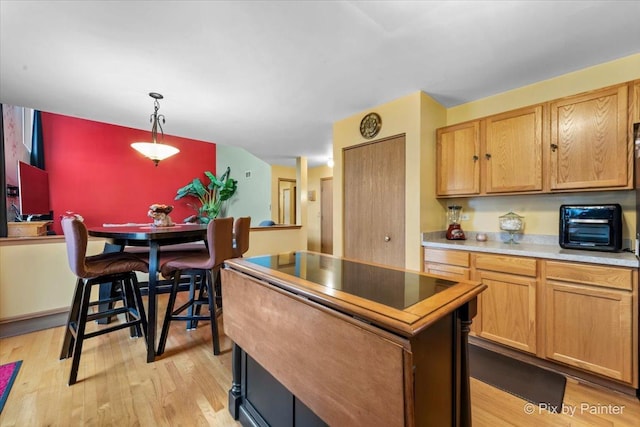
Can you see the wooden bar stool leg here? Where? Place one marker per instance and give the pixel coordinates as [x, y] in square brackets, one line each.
[211, 294]
[130, 303]
[80, 328]
[193, 281]
[69, 341]
[169, 313]
[139, 304]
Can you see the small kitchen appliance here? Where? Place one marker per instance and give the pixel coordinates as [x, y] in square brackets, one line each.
[591, 227]
[454, 231]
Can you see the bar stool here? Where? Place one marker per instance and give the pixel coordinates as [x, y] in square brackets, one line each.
[241, 229]
[118, 268]
[203, 269]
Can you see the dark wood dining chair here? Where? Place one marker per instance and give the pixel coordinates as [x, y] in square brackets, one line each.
[117, 268]
[203, 269]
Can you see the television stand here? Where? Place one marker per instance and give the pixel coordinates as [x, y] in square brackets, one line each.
[28, 228]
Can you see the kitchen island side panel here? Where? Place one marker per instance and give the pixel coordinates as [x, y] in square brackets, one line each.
[345, 374]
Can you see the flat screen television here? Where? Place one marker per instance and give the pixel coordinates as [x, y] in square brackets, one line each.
[33, 184]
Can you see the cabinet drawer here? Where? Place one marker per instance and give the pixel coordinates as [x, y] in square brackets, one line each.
[506, 264]
[609, 277]
[444, 256]
[449, 271]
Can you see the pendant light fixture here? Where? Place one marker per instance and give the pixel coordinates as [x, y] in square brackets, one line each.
[153, 150]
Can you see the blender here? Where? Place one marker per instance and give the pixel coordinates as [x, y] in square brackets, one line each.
[454, 232]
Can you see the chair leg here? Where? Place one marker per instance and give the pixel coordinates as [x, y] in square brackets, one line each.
[69, 341]
[139, 304]
[192, 324]
[202, 278]
[82, 323]
[211, 294]
[169, 314]
[132, 312]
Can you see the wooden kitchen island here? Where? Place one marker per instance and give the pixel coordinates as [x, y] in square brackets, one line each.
[321, 340]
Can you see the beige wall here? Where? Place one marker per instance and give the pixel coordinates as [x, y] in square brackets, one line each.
[416, 116]
[35, 278]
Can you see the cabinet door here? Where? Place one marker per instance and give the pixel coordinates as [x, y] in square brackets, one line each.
[513, 151]
[508, 310]
[590, 328]
[636, 101]
[589, 146]
[457, 166]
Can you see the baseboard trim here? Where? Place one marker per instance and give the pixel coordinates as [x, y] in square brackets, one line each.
[35, 322]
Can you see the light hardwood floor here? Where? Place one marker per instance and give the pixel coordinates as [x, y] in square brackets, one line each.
[188, 386]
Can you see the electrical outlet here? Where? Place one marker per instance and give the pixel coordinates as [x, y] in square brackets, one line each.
[465, 217]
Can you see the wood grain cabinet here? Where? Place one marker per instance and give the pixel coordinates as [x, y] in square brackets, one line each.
[499, 154]
[452, 265]
[589, 144]
[512, 151]
[457, 159]
[589, 318]
[635, 91]
[507, 308]
[577, 143]
[581, 315]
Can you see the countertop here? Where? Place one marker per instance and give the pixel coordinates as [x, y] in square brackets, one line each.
[545, 247]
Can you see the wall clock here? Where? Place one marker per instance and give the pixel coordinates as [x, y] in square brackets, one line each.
[370, 125]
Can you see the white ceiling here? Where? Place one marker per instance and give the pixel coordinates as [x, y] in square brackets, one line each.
[273, 76]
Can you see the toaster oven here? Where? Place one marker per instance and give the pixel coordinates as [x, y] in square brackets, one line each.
[591, 227]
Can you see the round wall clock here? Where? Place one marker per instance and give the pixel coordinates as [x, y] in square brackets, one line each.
[370, 125]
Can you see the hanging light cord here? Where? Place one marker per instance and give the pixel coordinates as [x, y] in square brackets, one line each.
[155, 119]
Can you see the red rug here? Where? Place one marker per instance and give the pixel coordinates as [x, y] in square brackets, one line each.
[8, 374]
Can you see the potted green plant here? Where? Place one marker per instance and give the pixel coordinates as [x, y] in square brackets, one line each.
[211, 197]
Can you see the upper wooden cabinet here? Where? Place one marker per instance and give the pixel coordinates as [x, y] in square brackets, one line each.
[589, 147]
[512, 153]
[499, 154]
[635, 90]
[457, 154]
[578, 143]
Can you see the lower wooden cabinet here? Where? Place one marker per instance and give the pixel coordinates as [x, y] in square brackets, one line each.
[577, 314]
[507, 308]
[590, 326]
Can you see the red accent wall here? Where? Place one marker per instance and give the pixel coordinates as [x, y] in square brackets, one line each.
[94, 171]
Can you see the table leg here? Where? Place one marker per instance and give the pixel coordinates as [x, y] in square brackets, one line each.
[467, 313]
[235, 393]
[152, 308]
[105, 290]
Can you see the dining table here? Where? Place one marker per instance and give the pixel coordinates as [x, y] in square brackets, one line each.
[153, 237]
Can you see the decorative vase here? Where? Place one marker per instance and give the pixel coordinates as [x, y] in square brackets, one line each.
[160, 215]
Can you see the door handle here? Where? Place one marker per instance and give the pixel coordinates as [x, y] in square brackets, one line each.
[387, 238]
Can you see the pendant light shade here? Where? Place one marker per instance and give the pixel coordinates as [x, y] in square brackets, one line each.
[153, 150]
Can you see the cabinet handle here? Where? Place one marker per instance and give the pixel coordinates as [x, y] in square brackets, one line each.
[487, 156]
[554, 147]
[387, 238]
[475, 158]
